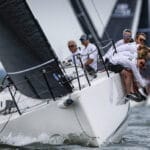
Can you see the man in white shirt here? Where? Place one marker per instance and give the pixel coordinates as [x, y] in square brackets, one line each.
[126, 47]
[89, 55]
[131, 64]
[129, 48]
[72, 45]
[127, 44]
[127, 38]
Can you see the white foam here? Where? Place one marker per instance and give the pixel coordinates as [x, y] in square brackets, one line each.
[56, 139]
[148, 101]
[139, 104]
[21, 140]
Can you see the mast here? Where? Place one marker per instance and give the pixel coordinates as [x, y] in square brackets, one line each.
[88, 26]
[84, 20]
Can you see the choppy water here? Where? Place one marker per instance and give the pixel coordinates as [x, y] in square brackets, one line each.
[136, 137]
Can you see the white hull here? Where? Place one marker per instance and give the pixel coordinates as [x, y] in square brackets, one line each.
[94, 118]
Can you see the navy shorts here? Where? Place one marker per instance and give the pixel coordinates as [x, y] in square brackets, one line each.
[115, 68]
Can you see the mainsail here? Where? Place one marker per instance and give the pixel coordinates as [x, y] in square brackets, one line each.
[58, 23]
[24, 45]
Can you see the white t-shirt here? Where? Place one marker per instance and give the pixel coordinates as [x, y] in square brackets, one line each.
[111, 50]
[129, 47]
[122, 47]
[90, 52]
[129, 62]
[120, 42]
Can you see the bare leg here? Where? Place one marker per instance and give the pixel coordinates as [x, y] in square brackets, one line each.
[128, 81]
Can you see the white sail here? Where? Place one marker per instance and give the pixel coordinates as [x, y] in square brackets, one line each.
[58, 22]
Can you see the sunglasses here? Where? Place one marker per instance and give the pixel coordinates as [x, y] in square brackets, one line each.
[72, 46]
[142, 40]
[127, 36]
[142, 64]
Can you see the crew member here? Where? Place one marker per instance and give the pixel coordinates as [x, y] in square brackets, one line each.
[89, 55]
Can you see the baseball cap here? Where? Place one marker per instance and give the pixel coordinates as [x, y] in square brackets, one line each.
[84, 37]
[127, 30]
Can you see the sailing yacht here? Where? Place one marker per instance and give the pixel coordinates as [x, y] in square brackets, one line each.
[42, 96]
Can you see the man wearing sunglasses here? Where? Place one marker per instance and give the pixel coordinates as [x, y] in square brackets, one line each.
[140, 38]
[127, 38]
[72, 45]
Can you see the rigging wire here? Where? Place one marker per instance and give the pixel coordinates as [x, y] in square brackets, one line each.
[3, 128]
[99, 17]
[5, 125]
